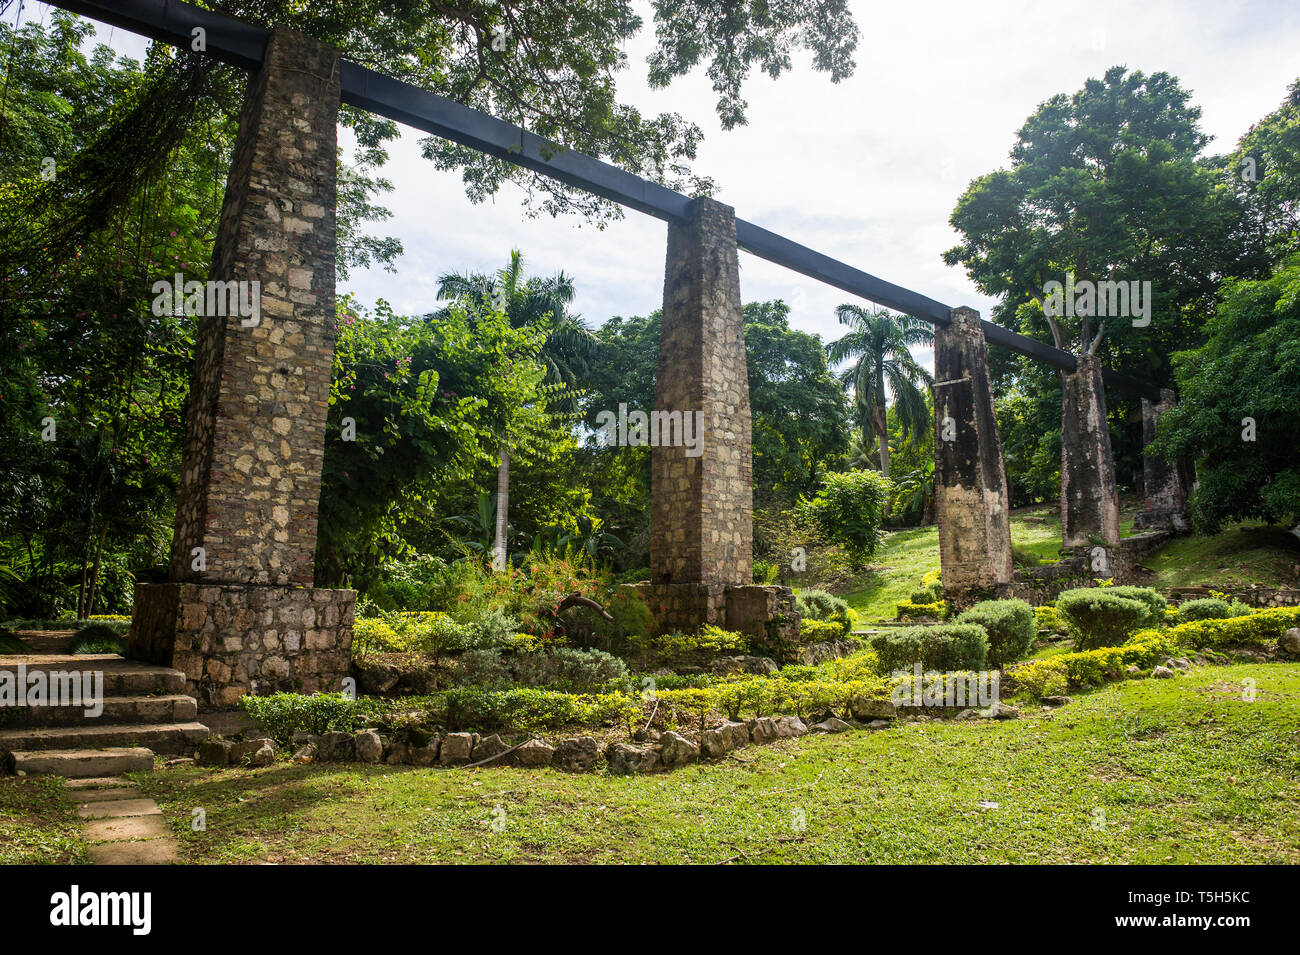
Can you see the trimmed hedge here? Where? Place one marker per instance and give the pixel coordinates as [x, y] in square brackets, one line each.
[1204, 608]
[953, 646]
[1258, 629]
[1089, 667]
[907, 610]
[819, 605]
[1047, 619]
[1107, 616]
[1011, 628]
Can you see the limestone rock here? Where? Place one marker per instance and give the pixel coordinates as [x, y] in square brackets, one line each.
[762, 729]
[1162, 673]
[305, 753]
[1001, 711]
[831, 725]
[215, 751]
[426, 755]
[369, 747]
[677, 750]
[866, 708]
[1055, 700]
[488, 747]
[878, 725]
[337, 747]
[576, 755]
[1289, 642]
[625, 759]
[788, 727]
[456, 749]
[397, 753]
[536, 752]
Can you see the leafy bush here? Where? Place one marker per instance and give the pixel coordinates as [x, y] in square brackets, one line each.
[1206, 608]
[281, 713]
[1104, 617]
[373, 635]
[1155, 601]
[1047, 619]
[99, 638]
[819, 605]
[812, 630]
[560, 668]
[1258, 629]
[849, 509]
[1010, 625]
[1040, 678]
[912, 611]
[764, 572]
[709, 641]
[954, 646]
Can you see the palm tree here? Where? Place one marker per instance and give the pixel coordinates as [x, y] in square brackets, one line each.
[566, 353]
[881, 366]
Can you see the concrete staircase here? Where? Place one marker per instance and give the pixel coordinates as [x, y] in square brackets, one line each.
[145, 713]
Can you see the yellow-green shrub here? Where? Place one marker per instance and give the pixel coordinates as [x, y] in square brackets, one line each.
[815, 631]
[908, 610]
[1256, 628]
[1047, 619]
[1039, 678]
[1090, 667]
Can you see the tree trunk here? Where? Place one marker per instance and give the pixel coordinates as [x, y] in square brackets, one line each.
[882, 425]
[94, 573]
[503, 509]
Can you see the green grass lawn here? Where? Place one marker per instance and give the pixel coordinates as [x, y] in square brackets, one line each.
[1250, 553]
[1180, 770]
[38, 823]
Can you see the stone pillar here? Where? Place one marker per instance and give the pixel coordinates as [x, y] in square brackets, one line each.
[1089, 500]
[701, 519]
[239, 613]
[1162, 482]
[970, 483]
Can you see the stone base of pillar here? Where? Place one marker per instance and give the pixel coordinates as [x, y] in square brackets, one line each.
[1089, 500]
[234, 639]
[766, 614]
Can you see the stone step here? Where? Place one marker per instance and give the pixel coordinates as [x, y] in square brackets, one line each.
[83, 763]
[47, 641]
[171, 739]
[172, 708]
[121, 677]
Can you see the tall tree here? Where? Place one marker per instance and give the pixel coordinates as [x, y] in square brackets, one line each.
[568, 345]
[882, 371]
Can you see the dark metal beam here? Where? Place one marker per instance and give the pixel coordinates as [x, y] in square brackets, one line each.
[244, 45]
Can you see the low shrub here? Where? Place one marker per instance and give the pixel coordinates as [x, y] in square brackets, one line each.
[560, 668]
[1047, 618]
[765, 573]
[954, 646]
[1039, 678]
[1104, 617]
[907, 610]
[1155, 601]
[817, 631]
[709, 641]
[1206, 608]
[1257, 629]
[1087, 668]
[1010, 625]
[281, 713]
[819, 605]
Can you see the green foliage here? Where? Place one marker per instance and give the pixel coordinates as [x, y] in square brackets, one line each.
[709, 641]
[953, 646]
[765, 573]
[849, 509]
[1010, 625]
[907, 610]
[819, 605]
[1205, 608]
[9, 643]
[1258, 629]
[1088, 668]
[559, 668]
[1236, 412]
[1107, 616]
[1047, 619]
[812, 630]
[281, 713]
[99, 637]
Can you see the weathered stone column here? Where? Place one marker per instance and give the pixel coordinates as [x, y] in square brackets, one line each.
[701, 519]
[970, 483]
[240, 614]
[1089, 500]
[1164, 490]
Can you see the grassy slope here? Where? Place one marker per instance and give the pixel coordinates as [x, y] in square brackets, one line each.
[1184, 770]
[1236, 557]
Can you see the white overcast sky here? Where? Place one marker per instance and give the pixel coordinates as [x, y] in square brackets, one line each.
[867, 170]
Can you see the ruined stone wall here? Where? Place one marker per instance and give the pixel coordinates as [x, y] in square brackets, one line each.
[702, 507]
[1089, 500]
[971, 501]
